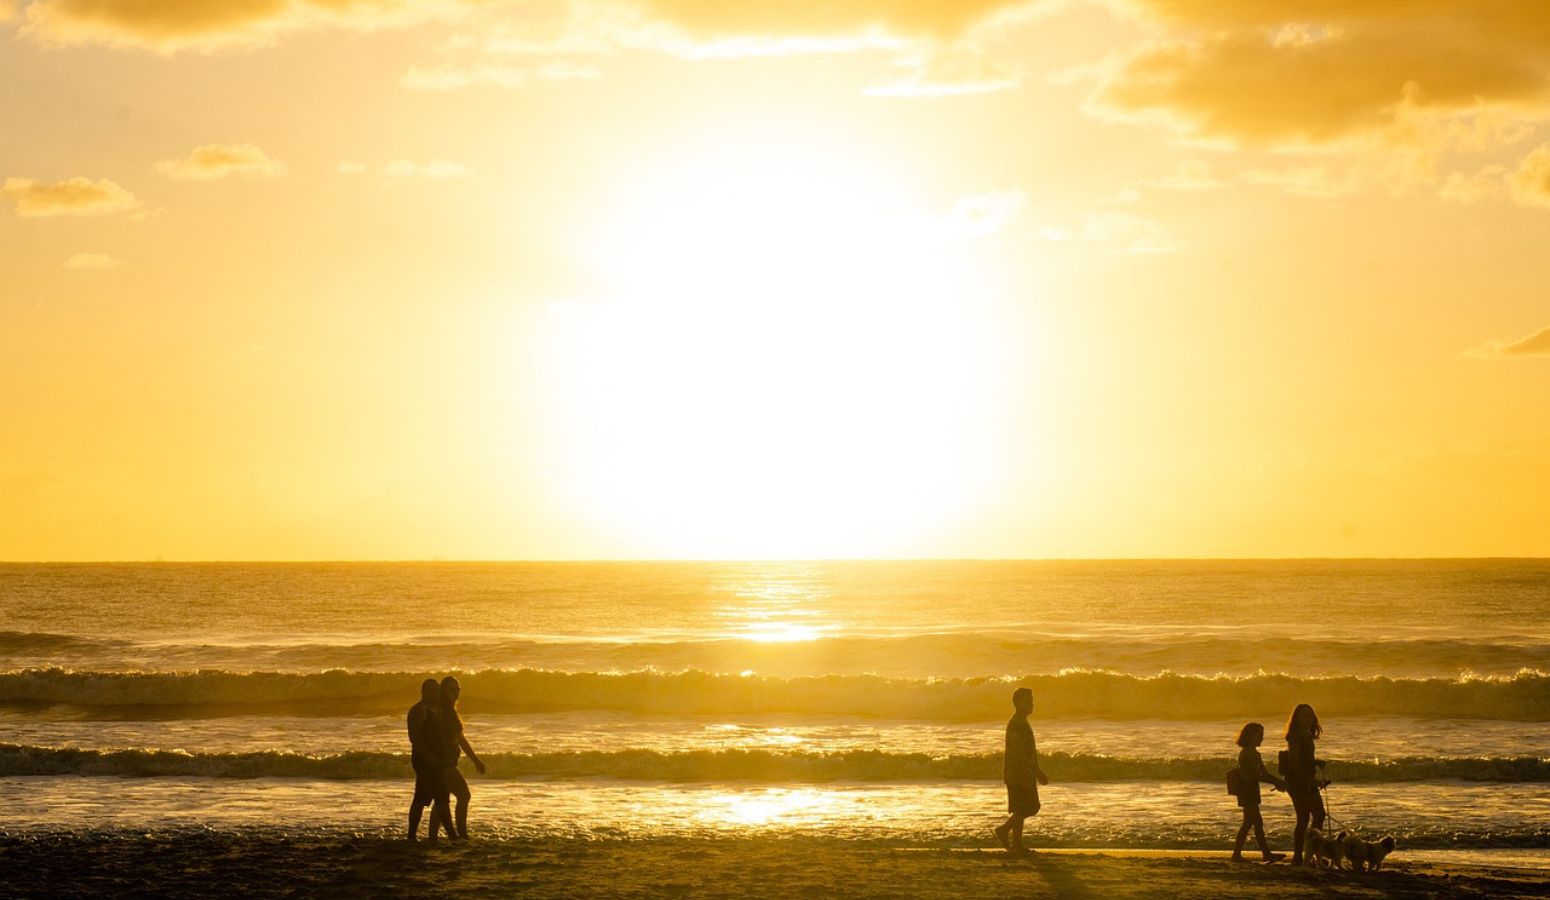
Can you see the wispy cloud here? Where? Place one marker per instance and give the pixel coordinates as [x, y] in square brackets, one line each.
[92, 261]
[211, 161]
[1536, 344]
[1189, 175]
[436, 168]
[985, 214]
[1256, 71]
[71, 197]
[1127, 231]
[171, 26]
[1531, 180]
[403, 168]
[453, 77]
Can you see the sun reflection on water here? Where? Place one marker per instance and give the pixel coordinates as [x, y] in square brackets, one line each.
[783, 632]
[767, 807]
[776, 605]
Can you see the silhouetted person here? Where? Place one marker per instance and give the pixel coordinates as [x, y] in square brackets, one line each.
[428, 756]
[1301, 769]
[1020, 770]
[1251, 771]
[456, 744]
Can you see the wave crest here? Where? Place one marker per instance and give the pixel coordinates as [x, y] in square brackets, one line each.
[1522, 697]
[729, 765]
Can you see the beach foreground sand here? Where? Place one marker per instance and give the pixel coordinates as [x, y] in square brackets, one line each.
[263, 864]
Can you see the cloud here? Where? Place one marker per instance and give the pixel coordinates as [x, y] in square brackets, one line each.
[211, 161]
[565, 70]
[403, 168]
[1254, 87]
[1316, 181]
[985, 214]
[71, 197]
[1189, 175]
[436, 168]
[1531, 180]
[948, 73]
[175, 25]
[1486, 183]
[1133, 233]
[92, 261]
[1536, 344]
[1497, 19]
[911, 18]
[7, 9]
[451, 78]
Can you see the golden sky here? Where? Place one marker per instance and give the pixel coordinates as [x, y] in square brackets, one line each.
[693, 278]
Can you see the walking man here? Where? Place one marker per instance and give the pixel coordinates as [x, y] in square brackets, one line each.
[1021, 772]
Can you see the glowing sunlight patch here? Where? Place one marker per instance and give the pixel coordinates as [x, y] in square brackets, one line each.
[786, 358]
[782, 632]
[765, 807]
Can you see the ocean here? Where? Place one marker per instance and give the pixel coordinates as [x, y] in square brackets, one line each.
[852, 700]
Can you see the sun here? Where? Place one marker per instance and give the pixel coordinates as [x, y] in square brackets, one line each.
[787, 355]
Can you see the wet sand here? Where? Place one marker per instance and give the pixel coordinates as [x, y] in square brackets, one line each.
[274, 864]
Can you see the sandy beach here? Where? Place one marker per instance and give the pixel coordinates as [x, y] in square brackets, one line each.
[275, 864]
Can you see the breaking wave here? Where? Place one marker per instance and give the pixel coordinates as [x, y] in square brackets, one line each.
[954, 655]
[1522, 697]
[729, 766]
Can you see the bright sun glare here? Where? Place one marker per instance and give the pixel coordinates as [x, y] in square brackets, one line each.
[787, 358]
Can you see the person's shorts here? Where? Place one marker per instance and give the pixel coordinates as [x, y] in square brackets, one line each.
[1022, 799]
[430, 785]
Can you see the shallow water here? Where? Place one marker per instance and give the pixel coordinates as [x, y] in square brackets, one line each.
[855, 700]
[1358, 739]
[921, 813]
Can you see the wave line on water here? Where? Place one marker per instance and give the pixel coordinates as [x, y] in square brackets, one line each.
[729, 766]
[1521, 697]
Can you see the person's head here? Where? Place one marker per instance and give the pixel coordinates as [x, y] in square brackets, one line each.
[1022, 700]
[450, 691]
[430, 691]
[1304, 721]
[1251, 735]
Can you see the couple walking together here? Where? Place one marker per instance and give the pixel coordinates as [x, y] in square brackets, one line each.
[436, 741]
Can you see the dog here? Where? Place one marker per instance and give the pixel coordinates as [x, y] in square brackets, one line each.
[1327, 849]
[1367, 856]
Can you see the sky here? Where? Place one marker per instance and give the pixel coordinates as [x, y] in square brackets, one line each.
[607, 279]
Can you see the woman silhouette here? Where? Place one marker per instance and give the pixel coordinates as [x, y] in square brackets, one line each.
[1301, 769]
[452, 725]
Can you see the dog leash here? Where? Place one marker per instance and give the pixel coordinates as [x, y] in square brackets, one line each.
[1329, 815]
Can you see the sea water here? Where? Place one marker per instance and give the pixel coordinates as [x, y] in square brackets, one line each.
[858, 700]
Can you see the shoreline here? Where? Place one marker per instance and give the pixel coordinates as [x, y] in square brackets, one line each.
[272, 862]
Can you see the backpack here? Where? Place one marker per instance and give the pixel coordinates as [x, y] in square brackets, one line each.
[1234, 779]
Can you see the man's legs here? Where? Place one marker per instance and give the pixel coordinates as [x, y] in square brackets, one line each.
[1010, 833]
[415, 810]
